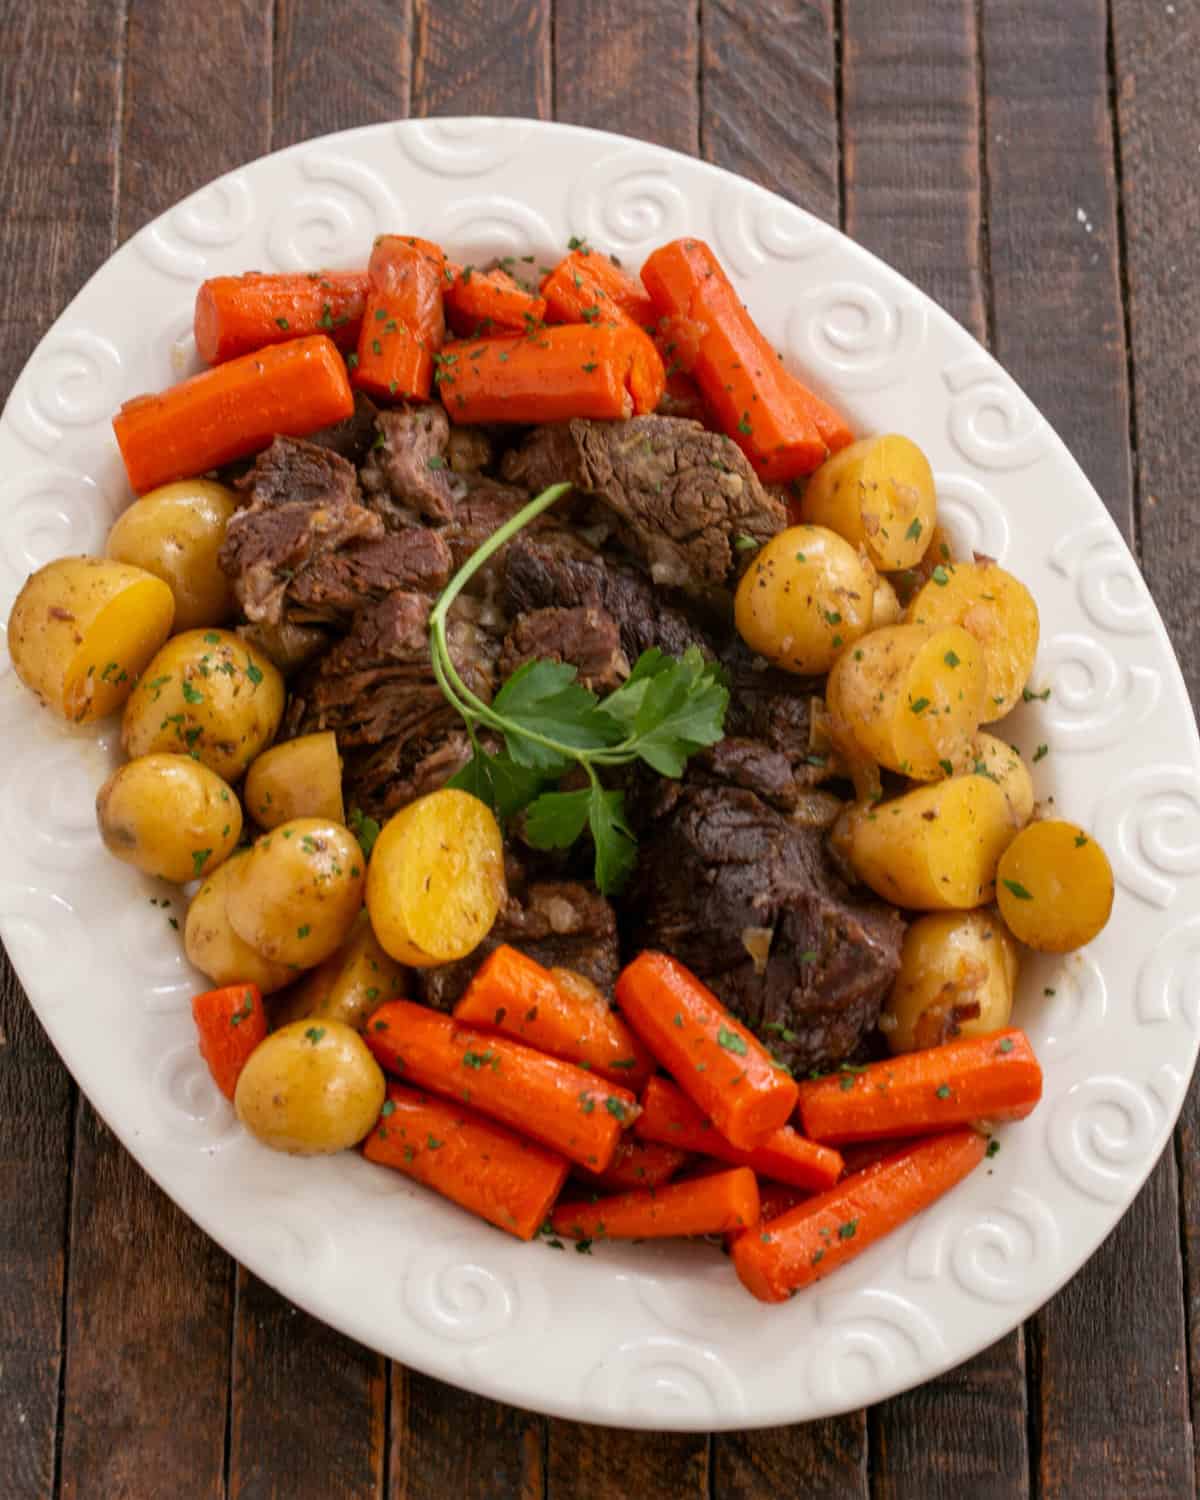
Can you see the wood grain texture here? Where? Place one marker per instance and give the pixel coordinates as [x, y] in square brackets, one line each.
[1052, 229]
[769, 96]
[606, 1463]
[826, 1459]
[60, 79]
[630, 68]
[308, 1405]
[447, 1442]
[1154, 51]
[482, 57]
[147, 1335]
[337, 66]
[911, 144]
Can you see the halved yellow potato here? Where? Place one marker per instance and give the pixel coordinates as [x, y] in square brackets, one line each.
[957, 974]
[302, 778]
[879, 494]
[1055, 887]
[175, 532]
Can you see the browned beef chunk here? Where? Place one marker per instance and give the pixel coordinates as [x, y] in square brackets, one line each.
[304, 502]
[558, 570]
[586, 637]
[483, 507]
[353, 435]
[391, 775]
[407, 474]
[681, 494]
[560, 923]
[338, 583]
[751, 903]
[289, 646]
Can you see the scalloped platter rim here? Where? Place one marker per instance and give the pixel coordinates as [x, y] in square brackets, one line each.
[648, 1336]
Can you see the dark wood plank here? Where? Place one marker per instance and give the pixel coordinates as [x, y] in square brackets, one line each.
[60, 79]
[482, 57]
[1154, 51]
[911, 146]
[336, 66]
[827, 1458]
[914, 194]
[147, 1335]
[606, 1463]
[630, 68]
[447, 1442]
[769, 97]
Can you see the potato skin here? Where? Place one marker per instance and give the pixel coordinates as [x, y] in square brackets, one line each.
[169, 816]
[1006, 764]
[209, 693]
[295, 896]
[302, 778]
[932, 849]
[436, 879]
[1054, 887]
[349, 985]
[310, 1089]
[805, 596]
[998, 610]
[950, 962]
[215, 949]
[885, 608]
[175, 532]
[82, 630]
[911, 697]
[879, 494]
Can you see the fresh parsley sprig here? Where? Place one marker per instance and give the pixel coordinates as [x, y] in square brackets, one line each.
[667, 709]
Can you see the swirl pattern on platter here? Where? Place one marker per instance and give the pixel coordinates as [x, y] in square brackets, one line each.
[866, 1340]
[972, 515]
[1070, 1011]
[50, 512]
[50, 808]
[461, 147]
[1101, 1134]
[1110, 588]
[284, 1244]
[335, 221]
[753, 227]
[189, 1106]
[155, 951]
[1095, 701]
[990, 422]
[494, 225]
[849, 336]
[215, 218]
[664, 1378]
[1149, 824]
[75, 380]
[44, 936]
[628, 203]
[991, 1253]
[1168, 986]
[452, 1294]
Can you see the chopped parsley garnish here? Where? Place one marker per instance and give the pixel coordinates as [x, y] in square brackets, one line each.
[940, 576]
[848, 1230]
[731, 1041]
[314, 1034]
[364, 829]
[1018, 890]
[247, 1009]
[199, 860]
[943, 1091]
[1040, 753]
[913, 532]
[1005, 1044]
[919, 705]
[254, 673]
[951, 659]
[1031, 697]
[744, 425]
[190, 694]
[615, 1108]
[992, 1147]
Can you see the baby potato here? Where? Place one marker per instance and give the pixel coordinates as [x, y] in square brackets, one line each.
[295, 896]
[175, 532]
[215, 949]
[806, 595]
[885, 605]
[1054, 887]
[208, 694]
[301, 778]
[878, 493]
[998, 610]
[349, 985]
[1005, 764]
[436, 879]
[958, 971]
[932, 849]
[911, 697]
[169, 816]
[82, 631]
[310, 1089]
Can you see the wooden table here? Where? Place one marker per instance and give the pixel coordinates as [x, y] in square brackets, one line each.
[1035, 165]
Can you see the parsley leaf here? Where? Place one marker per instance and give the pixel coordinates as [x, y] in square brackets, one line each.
[364, 829]
[500, 782]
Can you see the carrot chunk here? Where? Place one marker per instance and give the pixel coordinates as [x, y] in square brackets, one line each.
[716, 1204]
[230, 1023]
[637, 1164]
[238, 314]
[482, 302]
[585, 287]
[403, 324]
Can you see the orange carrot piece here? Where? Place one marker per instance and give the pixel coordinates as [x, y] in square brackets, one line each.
[553, 1101]
[716, 1204]
[232, 410]
[482, 302]
[585, 287]
[637, 1164]
[751, 396]
[477, 1164]
[238, 314]
[834, 429]
[799, 1247]
[978, 1078]
[668, 1115]
[230, 1023]
[721, 1066]
[403, 324]
[774, 1199]
[604, 371]
[514, 994]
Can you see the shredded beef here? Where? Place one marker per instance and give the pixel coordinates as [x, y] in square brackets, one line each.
[353, 435]
[392, 774]
[585, 637]
[338, 583]
[408, 474]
